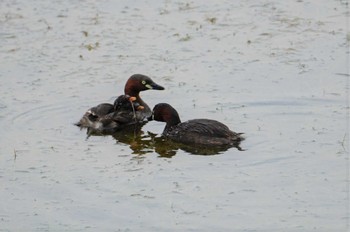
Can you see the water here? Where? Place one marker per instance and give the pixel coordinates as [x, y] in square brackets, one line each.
[277, 71]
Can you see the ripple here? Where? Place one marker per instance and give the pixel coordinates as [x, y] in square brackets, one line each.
[43, 124]
[49, 113]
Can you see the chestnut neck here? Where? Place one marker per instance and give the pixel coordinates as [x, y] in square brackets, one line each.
[171, 118]
[131, 90]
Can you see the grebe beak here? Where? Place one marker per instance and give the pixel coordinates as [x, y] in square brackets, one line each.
[154, 86]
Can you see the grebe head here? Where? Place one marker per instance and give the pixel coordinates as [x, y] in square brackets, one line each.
[139, 82]
[164, 112]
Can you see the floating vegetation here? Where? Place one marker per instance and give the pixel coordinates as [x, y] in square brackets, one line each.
[185, 38]
[192, 22]
[95, 19]
[46, 23]
[92, 46]
[186, 6]
[13, 49]
[163, 11]
[10, 16]
[212, 20]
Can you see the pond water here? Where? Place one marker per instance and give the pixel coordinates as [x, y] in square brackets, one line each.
[275, 70]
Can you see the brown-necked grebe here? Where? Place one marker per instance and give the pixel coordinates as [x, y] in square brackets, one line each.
[205, 132]
[135, 84]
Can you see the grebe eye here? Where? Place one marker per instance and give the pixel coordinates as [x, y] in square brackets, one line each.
[143, 82]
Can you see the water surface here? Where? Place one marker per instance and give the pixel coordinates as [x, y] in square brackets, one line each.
[277, 71]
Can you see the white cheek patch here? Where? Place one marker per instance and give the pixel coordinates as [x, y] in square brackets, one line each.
[148, 86]
[98, 125]
[90, 112]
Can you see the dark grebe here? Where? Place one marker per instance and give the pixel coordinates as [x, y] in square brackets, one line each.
[135, 84]
[205, 132]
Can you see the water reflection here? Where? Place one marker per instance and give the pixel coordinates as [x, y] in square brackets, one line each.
[141, 142]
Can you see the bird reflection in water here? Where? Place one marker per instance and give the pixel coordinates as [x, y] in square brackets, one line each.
[142, 143]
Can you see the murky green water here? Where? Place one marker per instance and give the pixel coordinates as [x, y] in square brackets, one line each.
[275, 70]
